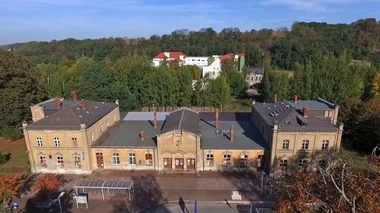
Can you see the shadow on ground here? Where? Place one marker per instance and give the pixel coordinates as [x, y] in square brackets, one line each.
[147, 193]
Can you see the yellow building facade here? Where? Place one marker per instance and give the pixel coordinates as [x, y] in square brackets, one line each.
[81, 136]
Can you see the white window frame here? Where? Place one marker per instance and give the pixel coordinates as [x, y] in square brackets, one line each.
[132, 159]
[43, 161]
[322, 163]
[116, 159]
[56, 142]
[283, 165]
[285, 144]
[244, 158]
[305, 145]
[325, 144]
[225, 161]
[210, 160]
[78, 162]
[60, 162]
[302, 164]
[39, 141]
[92, 136]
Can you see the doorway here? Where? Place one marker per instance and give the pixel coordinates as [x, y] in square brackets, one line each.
[260, 161]
[179, 163]
[99, 160]
[190, 164]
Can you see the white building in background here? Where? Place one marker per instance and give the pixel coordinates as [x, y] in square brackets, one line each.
[210, 66]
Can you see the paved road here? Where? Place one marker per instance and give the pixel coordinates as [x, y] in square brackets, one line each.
[201, 208]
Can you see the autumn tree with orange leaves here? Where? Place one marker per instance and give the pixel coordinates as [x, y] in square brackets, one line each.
[337, 188]
[10, 185]
[46, 184]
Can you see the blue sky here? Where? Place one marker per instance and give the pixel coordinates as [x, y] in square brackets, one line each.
[45, 20]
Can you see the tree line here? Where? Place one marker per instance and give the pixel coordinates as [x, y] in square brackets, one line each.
[361, 39]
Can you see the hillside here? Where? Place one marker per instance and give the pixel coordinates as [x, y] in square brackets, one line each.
[361, 39]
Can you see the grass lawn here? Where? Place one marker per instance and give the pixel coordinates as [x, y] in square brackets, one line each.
[18, 158]
[238, 105]
[356, 160]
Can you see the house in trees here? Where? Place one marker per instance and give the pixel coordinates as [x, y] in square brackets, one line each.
[170, 57]
[299, 133]
[210, 66]
[254, 75]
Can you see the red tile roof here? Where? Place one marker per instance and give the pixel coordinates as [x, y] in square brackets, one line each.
[230, 55]
[171, 54]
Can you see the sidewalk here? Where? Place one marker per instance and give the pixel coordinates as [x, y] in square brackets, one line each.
[152, 188]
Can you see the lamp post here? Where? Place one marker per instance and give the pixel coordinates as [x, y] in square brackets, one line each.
[59, 201]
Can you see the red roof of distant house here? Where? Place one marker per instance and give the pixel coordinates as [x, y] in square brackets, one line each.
[171, 54]
[230, 55]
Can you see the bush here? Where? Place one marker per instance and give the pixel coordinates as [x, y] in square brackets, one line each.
[3, 158]
[11, 132]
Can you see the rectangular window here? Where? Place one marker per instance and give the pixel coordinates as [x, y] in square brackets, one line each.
[283, 165]
[116, 160]
[75, 142]
[132, 158]
[77, 162]
[302, 165]
[43, 161]
[39, 141]
[244, 160]
[92, 137]
[325, 145]
[60, 162]
[285, 145]
[227, 160]
[149, 159]
[56, 142]
[210, 160]
[305, 144]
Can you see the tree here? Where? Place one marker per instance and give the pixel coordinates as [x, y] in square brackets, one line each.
[376, 85]
[46, 184]
[18, 89]
[229, 65]
[220, 91]
[238, 85]
[336, 188]
[10, 185]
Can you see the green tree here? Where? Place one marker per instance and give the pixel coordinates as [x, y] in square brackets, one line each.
[219, 91]
[18, 89]
[238, 85]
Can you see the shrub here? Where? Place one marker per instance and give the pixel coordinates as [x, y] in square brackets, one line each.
[3, 158]
[11, 132]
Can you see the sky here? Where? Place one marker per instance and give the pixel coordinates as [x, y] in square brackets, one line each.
[46, 20]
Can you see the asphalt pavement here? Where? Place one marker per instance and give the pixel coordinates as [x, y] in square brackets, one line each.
[187, 207]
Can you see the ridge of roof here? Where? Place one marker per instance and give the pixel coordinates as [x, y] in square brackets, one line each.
[230, 55]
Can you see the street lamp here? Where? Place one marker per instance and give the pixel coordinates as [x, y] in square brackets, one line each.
[59, 200]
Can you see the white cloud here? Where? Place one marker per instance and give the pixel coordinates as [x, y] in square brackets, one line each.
[313, 5]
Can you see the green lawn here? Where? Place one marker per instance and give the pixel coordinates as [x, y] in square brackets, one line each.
[238, 105]
[18, 159]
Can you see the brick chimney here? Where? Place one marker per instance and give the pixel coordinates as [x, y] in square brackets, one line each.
[155, 119]
[142, 135]
[217, 118]
[232, 132]
[295, 99]
[83, 102]
[74, 95]
[275, 98]
[57, 102]
[306, 112]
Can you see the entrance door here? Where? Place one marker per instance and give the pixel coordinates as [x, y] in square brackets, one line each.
[190, 164]
[99, 160]
[179, 163]
[168, 163]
